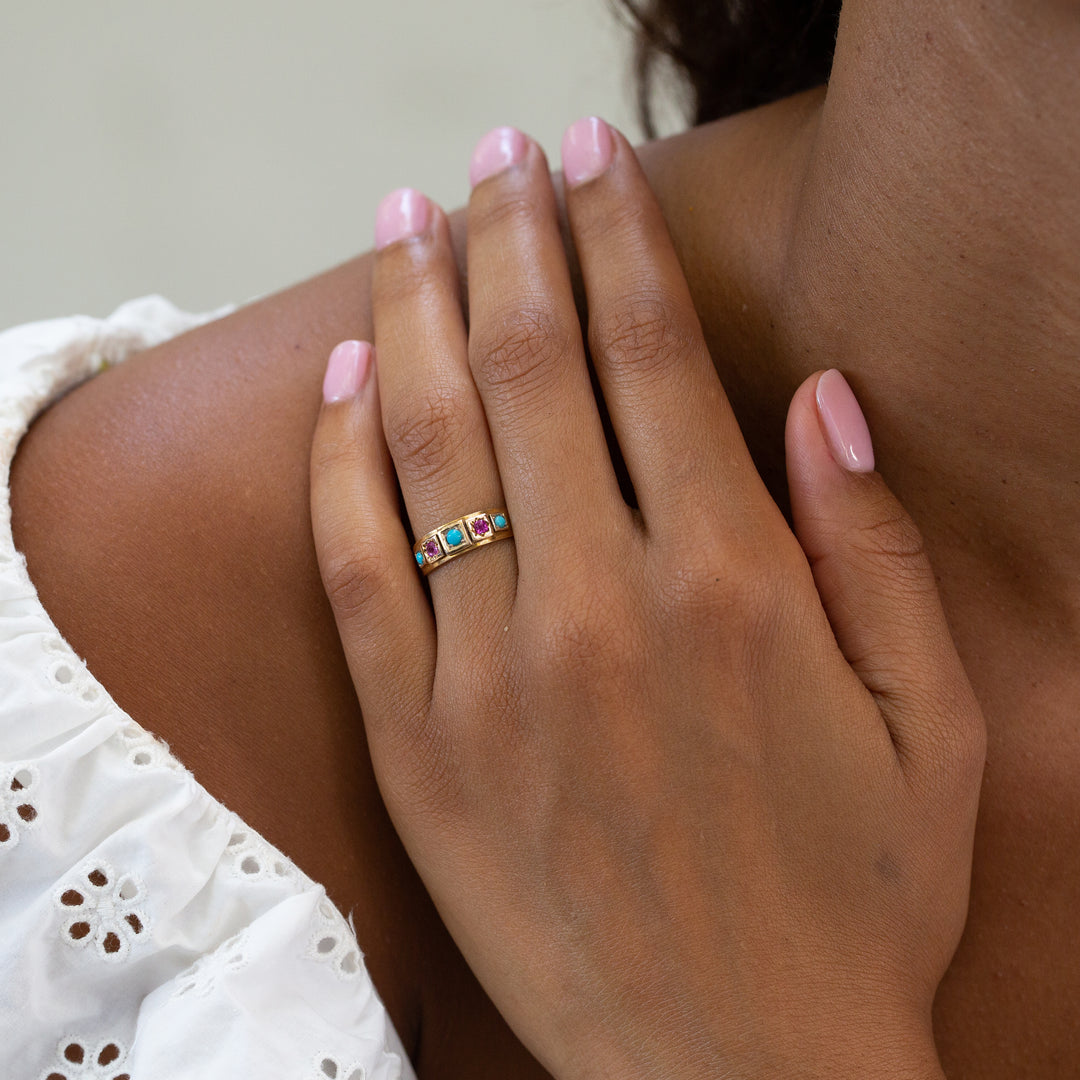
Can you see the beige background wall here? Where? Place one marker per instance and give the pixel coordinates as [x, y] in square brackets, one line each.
[216, 151]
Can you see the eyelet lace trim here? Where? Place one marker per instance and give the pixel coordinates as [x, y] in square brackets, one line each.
[207, 971]
[101, 907]
[75, 1061]
[143, 750]
[18, 814]
[331, 1068]
[250, 857]
[68, 673]
[333, 943]
[397, 1069]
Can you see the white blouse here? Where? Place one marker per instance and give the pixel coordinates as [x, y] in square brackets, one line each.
[146, 932]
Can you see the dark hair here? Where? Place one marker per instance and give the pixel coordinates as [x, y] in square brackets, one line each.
[731, 54]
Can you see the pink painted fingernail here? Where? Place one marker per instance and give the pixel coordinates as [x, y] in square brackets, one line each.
[497, 150]
[346, 371]
[844, 423]
[587, 150]
[403, 213]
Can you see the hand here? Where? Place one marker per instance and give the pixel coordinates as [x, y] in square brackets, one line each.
[695, 797]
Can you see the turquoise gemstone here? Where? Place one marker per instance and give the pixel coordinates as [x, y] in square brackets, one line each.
[454, 537]
[419, 559]
[500, 521]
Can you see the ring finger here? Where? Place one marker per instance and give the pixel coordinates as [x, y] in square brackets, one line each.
[432, 415]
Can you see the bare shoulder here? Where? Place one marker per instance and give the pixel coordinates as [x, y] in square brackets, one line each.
[161, 507]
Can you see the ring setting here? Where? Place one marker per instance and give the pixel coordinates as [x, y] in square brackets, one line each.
[461, 535]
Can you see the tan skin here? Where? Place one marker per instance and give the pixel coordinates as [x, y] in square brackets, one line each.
[917, 229]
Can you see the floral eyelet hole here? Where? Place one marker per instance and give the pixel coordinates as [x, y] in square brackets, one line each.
[110, 1052]
[17, 798]
[333, 943]
[249, 857]
[142, 750]
[212, 968]
[101, 908]
[77, 1062]
[330, 1069]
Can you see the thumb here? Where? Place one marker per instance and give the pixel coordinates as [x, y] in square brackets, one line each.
[874, 578]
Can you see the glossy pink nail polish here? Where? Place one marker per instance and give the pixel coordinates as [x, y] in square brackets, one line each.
[587, 150]
[844, 423]
[497, 150]
[346, 370]
[403, 213]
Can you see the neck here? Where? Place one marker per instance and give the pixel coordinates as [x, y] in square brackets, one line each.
[920, 233]
[962, 290]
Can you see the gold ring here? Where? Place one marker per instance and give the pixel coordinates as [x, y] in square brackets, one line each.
[464, 534]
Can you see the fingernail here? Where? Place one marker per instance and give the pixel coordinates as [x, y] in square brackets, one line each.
[497, 150]
[346, 370]
[403, 213]
[587, 150]
[844, 424]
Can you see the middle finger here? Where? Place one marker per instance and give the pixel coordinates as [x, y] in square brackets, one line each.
[528, 359]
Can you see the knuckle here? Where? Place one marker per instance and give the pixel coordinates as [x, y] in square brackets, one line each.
[332, 455]
[405, 277]
[954, 743]
[501, 210]
[889, 534]
[355, 576]
[588, 640]
[624, 218]
[730, 583]
[692, 590]
[742, 601]
[962, 738]
[521, 348]
[425, 431]
[642, 333]
[428, 778]
[970, 741]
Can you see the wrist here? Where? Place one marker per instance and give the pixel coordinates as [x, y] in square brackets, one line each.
[885, 1058]
[870, 1051]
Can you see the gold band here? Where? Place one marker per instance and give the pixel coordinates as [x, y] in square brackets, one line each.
[464, 534]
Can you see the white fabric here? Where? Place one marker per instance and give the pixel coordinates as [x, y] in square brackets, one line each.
[145, 931]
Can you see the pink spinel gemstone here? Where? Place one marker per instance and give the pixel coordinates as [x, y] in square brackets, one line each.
[431, 549]
[480, 526]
